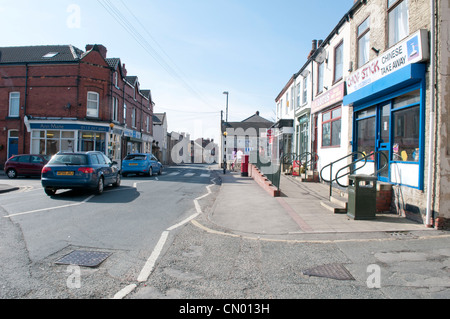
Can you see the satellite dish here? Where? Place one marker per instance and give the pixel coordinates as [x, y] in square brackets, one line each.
[320, 55]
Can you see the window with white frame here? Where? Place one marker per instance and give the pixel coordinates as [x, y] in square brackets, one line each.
[305, 90]
[363, 42]
[287, 102]
[14, 104]
[125, 114]
[299, 94]
[115, 109]
[133, 118]
[339, 62]
[292, 98]
[320, 69]
[398, 20]
[148, 123]
[92, 104]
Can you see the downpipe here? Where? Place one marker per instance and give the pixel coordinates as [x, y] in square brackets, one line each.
[428, 221]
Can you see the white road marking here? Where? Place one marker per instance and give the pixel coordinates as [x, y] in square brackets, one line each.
[125, 291]
[148, 267]
[204, 175]
[49, 208]
[189, 174]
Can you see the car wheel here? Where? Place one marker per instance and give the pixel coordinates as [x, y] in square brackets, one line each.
[160, 170]
[11, 173]
[150, 171]
[117, 183]
[50, 191]
[100, 186]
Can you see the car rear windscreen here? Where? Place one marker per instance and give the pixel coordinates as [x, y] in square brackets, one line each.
[135, 157]
[69, 159]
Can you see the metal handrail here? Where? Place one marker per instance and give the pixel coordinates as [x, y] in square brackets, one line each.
[363, 158]
[338, 160]
[314, 158]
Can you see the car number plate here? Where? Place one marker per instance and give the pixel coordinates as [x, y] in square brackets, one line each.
[133, 164]
[64, 173]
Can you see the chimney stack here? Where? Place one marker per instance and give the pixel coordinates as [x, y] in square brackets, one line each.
[97, 47]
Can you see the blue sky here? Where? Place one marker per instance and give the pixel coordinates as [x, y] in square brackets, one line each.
[187, 51]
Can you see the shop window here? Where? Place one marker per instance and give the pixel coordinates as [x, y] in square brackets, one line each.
[366, 130]
[92, 104]
[14, 104]
[398, 20]
[363, 42]
[92, 141]
[406, 134]
[51, 142]
[331, 128]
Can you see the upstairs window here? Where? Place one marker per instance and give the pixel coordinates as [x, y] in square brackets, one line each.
[92, 104]
[320, 70]
[305, 89]
[339, 62]
[398, 20]
[115, 109]
[363, 42]
[14, 104]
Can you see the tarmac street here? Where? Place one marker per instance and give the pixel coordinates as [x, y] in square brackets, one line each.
[247, 245]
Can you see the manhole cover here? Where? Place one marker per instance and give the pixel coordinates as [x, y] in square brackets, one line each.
[333, 271]
[84, 258]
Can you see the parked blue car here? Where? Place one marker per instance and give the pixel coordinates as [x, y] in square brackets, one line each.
[91, 170]
[141, 163]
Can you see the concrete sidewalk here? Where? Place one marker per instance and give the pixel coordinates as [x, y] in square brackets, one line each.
[243, 207]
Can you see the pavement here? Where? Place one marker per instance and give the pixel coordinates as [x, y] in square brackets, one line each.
[243, 208]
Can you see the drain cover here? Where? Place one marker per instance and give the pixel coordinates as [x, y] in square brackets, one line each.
[84, 258]
[333, 271]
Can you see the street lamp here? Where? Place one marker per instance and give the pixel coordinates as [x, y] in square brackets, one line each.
[226, 115]
[225, 152]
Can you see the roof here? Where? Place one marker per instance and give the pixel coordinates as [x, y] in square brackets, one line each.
[256, 118]
[158, 118]
[40, 54]
[255, 121]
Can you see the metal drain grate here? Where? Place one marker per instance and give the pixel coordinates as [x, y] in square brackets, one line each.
[402, 234]
[83, 258]
[333, 271]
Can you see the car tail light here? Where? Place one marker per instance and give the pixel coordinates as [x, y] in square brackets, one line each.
[46, 169]
[86, 170]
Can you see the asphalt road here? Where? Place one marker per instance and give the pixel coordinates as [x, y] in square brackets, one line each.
[125, 222]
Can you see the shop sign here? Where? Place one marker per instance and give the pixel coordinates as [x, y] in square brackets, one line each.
[333, 96]
[73, 127]
[131, 133]
[411, 50]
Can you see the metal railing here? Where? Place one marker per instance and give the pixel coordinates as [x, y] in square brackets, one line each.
[352, 167]
[311, 159]
[271, 168]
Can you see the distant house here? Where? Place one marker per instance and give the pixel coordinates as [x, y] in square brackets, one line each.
[160, 136]
[240, 137]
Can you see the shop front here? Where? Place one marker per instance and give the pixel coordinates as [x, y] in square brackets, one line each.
[388, 99]
[51, 137]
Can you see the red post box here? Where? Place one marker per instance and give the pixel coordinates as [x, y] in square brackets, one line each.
[244, 165]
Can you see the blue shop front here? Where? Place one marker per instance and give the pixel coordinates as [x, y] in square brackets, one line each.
[388, 96]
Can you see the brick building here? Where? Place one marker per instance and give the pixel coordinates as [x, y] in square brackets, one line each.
[60, 98]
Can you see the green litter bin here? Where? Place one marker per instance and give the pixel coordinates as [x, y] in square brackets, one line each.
[362, 197]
